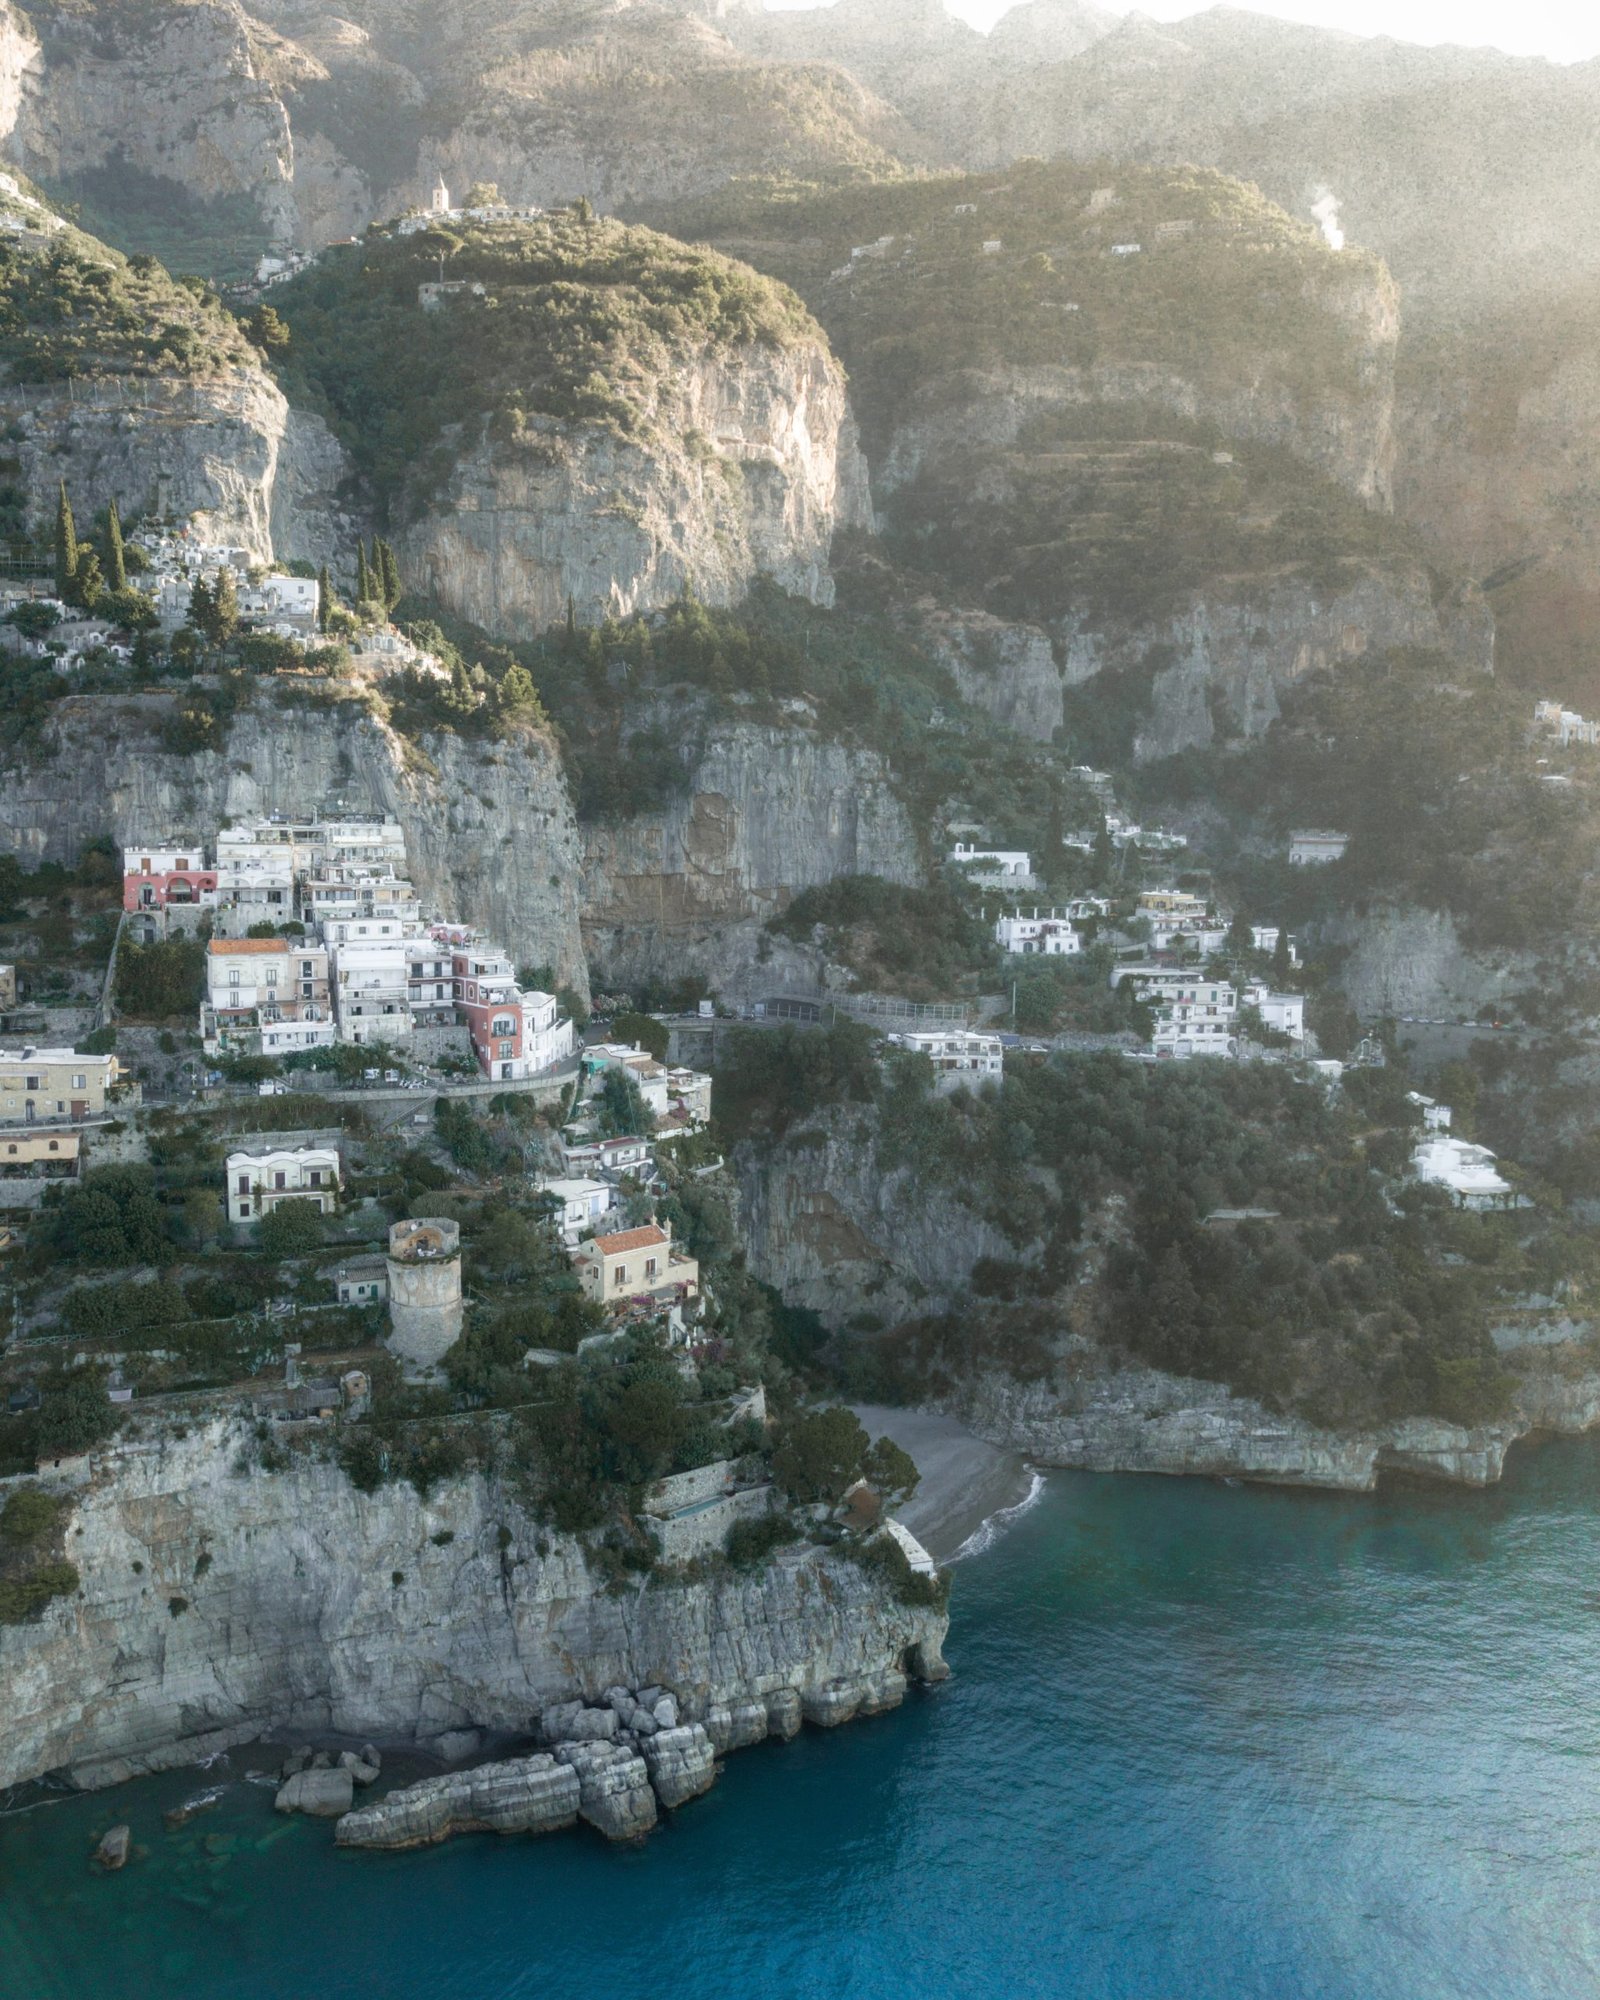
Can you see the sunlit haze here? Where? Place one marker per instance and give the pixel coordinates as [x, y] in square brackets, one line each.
[1560, 29]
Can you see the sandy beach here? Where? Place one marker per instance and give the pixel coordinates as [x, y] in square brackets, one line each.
[964, 1481]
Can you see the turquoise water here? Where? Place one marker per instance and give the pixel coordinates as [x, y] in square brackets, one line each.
[1203, 1741]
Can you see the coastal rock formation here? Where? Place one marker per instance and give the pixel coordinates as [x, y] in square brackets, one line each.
[490, 837]
[767, 811]
[614, 1793]
[750, 466]
[1109, 1419]
[323, 1793]
[521, 1795]
[325, 1611]
[681, 1762]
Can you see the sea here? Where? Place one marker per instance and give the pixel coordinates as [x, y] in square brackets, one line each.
[1202, 1742]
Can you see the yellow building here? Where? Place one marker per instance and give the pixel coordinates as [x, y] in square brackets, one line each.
[42, 1085]
[635, 1264]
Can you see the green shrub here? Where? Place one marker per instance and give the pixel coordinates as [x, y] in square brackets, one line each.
[28, 1516]
[24, 1597]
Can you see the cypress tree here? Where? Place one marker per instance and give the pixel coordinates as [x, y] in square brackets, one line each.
[202, 607]
[116, 568]
[389, 575]
[1280, 958]
[324, 597]
[224, 607]
[363, 575]
[66, 548]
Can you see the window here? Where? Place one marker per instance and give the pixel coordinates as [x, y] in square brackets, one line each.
[272, 975]
[80, 1083]
[650, 1267]
[233, 977]
[244, 1184]
[35, 1083]
[621, 1275]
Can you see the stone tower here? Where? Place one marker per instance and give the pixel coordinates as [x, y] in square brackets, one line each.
[424, 1290]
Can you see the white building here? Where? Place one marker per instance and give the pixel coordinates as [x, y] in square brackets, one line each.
[1264, 937]
[1192, 1017]
[647, 1073]
[689, 1093]
[1435, 1116]
[256, 1183]
[1312, 847]
[1284, 1011]
[626, 1158]
[960, 1057]
[1051, 935]
[1466, 1171]
[993, 867]
[581, 1206]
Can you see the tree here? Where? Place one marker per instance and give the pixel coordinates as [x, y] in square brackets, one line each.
[202, 607]
[74, 1414]
[1280, 959]
[892, 1472]
[482, 194]
[224, 607]
[388, 575]
[324, 598]
[116, 563]
[820, 1454]
[291, 1229]
[66, 548]
[267, 330]
[202, 1214]
[364, 584]
[88, 586]
[644, 1032]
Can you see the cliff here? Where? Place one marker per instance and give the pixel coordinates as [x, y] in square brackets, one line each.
[219, 1602]
[490, 837]
[171, 94]
[749, 466]
[827, 1228]
[767, 811]
[1213, 666]
[1097, 1417]
[210, 449]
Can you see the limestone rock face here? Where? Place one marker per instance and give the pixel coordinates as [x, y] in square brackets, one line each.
[614, 1793]
[207, 448]
[522, 1795]
[768, 811]
[831, 1230]
[681, 1762]
[298, 1628]
[1346, 433]
[751, 466]
[1006, 667]
[1405, 960]
[182, 93]
[1231, 654]
[490, 836]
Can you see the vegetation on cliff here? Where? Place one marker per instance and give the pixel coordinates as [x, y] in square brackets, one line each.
[920, 280]
[578, 321]
[1353, 1297]
[72, 306]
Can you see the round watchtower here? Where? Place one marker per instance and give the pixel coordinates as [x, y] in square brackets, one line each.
[424, 1290]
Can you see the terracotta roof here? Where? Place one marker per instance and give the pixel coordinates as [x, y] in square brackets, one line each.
[231, 945]
[631, 1239]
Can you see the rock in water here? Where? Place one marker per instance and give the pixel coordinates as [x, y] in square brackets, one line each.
[456, 1745]
[326, 1794]
[520, 1795]
[783, 1713]
[682, 1763]
[833, 1703]
[112, 1853]
[614, 1792]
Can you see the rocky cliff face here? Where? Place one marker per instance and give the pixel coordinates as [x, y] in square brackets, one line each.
[1405, 960]
[1228, 654]
[1099, 1418]
[177, 92]
[1219, 664]
[831, 1231]
[219, 1602]
[1344, 432]
[211, 448]
[751, 466]
[768, 811]
[490, 837]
